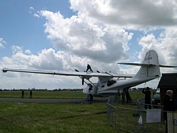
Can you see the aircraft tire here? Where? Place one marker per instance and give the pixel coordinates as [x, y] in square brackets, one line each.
[90, 97]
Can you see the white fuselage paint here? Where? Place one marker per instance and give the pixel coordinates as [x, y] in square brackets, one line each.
[101, 89]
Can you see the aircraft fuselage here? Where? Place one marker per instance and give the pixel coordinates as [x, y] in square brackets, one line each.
[108, 89]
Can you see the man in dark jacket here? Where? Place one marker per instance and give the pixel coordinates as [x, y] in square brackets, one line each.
[147, 93]
[89, 68]
[168, 105]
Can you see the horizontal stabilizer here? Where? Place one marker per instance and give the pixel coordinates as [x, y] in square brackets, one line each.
[167, 66]
[137, 64]
[140, 64]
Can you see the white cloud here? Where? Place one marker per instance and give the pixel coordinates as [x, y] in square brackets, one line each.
[165, 45]
[47, 59]
[2, 42]
[99, 34]
[129, 13]
[27, 51]
[16, 49]
[87, 37]
[36, 15]
[31, 8]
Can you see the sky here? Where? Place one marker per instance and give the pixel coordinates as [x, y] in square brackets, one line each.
[69, 34]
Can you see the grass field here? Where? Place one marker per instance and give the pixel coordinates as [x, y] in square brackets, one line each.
[54, 118]
[57, 94]
[43, 94]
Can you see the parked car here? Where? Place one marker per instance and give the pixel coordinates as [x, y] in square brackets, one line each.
[155, 100]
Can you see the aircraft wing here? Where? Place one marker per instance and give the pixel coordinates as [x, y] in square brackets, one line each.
[65, 73]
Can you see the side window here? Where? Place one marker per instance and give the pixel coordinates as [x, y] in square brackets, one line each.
[110, 82]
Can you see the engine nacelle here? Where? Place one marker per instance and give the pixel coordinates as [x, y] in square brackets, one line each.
[90, 89]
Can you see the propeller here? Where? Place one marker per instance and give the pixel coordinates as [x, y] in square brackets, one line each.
[76, 70]
[81, 77]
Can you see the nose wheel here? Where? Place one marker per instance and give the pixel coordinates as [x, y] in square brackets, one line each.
[90, 97]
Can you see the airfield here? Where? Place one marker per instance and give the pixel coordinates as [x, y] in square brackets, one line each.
[48, 96]
[50, 111]
[36, 100]
[56, 112]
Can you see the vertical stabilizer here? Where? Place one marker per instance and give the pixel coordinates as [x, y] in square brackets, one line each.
[150, 66]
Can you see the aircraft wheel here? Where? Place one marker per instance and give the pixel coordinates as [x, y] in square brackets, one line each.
[90, 97]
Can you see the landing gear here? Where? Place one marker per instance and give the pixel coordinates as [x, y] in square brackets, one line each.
[129, 100]
[90, 97]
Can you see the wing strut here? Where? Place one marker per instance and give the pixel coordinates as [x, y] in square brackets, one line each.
[83, 81]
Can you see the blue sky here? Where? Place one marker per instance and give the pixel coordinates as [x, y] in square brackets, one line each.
[20, 27]
[64, 35]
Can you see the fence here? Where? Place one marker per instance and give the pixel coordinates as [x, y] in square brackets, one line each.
[111, 112]
[132, 118]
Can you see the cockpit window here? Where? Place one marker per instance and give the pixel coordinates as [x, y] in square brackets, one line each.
[110, 82]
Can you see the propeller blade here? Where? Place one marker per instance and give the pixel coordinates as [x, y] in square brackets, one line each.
[76, 70]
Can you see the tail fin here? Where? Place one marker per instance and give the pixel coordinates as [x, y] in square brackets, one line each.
[150, 66]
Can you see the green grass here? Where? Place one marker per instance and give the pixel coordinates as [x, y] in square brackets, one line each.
[53, 118]
[18, 117]
[58, 94]
[136, 94]
[43, 94]
[126, 120]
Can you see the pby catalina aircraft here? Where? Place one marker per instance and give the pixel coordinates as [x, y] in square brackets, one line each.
[107, 84]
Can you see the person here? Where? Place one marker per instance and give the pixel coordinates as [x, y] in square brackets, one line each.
[117, 97]
[147, 93]
[118, 93]
[128, 95]
[31, 93]
[22, 93]
[123, 96]
[168, 105]
[89, 68]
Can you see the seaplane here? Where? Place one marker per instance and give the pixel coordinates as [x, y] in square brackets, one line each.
[109, 83]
